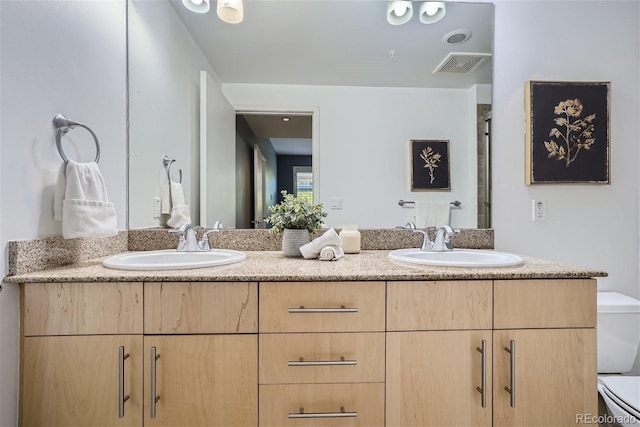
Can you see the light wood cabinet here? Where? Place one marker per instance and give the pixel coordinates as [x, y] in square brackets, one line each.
[540, 351]
[81, 308]
[322, 306]
[552, 364]
[434, 369]
[201, 380]
[554, 376]
[75, 374]
[200, 307]
[322, 358]
[355, 404]
[81, 381]
[433, 378]
[397, 353]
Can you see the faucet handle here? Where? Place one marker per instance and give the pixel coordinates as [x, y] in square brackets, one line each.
[427, 243]
[203, 244]
[182, 235]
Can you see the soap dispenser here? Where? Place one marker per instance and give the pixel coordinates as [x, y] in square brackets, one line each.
[350, 237]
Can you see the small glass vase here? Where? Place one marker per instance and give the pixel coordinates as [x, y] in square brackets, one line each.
[292, 240]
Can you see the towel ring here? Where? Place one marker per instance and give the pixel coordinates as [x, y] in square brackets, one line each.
[64, 125]
[167, 161]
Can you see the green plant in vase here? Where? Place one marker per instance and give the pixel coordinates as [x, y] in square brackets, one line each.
[295, 218]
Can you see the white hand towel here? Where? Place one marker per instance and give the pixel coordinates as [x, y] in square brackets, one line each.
[180, 214]
[81, 202]
[432, 214]
[331, 253]
[165, 197]
[312, 249]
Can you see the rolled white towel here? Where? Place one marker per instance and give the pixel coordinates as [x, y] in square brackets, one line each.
[331, 253]
[312, 249]
[180, 213]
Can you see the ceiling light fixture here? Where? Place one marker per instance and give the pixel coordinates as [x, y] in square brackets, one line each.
[286, 119]
[197, 6]
[432, 11]
[399, 11]
[230, 11]
[457, 36]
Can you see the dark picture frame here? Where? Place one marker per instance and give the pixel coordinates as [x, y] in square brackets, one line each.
[430, 165]
[567, 132]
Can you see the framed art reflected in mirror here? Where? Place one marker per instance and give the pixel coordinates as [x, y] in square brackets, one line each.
[430, 165]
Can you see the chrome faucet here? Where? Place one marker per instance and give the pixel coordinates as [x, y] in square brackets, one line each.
[188, 241]
[442, 241]
[427, 243]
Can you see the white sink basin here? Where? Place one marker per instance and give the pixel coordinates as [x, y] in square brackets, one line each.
[456, 258]
[173, 260]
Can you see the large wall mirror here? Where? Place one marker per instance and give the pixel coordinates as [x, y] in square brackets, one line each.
[319, 97]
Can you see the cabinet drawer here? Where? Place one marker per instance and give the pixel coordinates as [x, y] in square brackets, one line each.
[322, 405]
[460, 304]
[554, 303]
[200, 307]
[322, 306]
[322, 358]
[82, 308]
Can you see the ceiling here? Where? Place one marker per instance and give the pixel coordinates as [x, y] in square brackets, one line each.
[291, 137]
[338, 42]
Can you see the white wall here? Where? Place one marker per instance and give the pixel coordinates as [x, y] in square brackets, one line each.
[164, 106]
[592, 225]
[56, 57]
[364, 146]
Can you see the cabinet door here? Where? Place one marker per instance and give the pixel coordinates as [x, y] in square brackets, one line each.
[82, 308]
[81, 381]
[551, 375]
[200, 308]
[201, 380]
[433, 378]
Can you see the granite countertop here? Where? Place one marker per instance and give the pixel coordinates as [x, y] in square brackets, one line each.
[274, 266]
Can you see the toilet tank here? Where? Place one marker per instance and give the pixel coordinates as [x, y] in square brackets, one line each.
[618, 332]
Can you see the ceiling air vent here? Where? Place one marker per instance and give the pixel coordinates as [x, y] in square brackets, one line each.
[461, 63]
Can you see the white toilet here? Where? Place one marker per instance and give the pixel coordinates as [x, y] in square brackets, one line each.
[618, 340]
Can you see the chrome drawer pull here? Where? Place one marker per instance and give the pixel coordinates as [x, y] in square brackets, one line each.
[511, 388]
[342, 309]
[341, 414]
[341, 362]
[154, 396]
[483, 385]
[121, 397]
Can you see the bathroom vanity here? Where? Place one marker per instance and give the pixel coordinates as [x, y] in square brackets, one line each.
[275, 341]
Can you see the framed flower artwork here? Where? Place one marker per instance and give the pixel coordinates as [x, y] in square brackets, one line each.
[429, 165]
[567, 132]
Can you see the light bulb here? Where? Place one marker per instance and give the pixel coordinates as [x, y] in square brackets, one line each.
[431, 8]
[400, 9]
[197, 6]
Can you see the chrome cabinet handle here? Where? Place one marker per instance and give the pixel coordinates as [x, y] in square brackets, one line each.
[341, 414]
[303, 309]
[341, 362]
[511, 388]
[121, 397]
[154, 396]
[483, 386]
